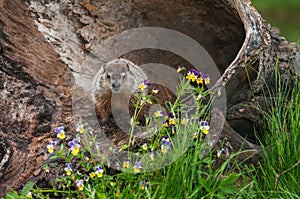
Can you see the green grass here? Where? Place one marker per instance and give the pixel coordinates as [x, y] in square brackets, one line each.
[282, 14]
[278, 175]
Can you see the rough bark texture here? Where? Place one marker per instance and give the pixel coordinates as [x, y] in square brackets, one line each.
[46, 45]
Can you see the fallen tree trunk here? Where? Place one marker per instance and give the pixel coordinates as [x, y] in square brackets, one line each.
[46, 47]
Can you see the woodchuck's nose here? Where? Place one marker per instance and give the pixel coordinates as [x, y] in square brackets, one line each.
[116, 86]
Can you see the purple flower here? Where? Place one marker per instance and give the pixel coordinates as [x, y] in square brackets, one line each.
[73, 143]
[137, 167]
[170, 115]
[147, 83]
[166, 141]
[59, 129]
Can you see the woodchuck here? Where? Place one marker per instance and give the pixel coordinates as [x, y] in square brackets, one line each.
[114, 85]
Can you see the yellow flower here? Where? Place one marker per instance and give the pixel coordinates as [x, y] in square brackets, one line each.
[207, 81]
[196, 135]
[75, 151]
[50, 148]
[171, 121]
[142, 86]
[158, 114]
[152, 156]
[180, 68]
[166, 124]
[191, 76]
[80, 128]
[164, 149]
[79, 184]
[184, 121]
[92, 174]
[173, 131]
[126, 164]
[68, 173]
[205, 131]
[199, 80]
[204, 127]
[29, 194]
[155, 90]
[61, 135]
[144, 146]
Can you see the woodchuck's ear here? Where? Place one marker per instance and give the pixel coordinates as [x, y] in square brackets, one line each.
[104, 66]
[128, 67]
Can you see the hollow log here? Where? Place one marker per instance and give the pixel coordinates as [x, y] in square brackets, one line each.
[48, 46]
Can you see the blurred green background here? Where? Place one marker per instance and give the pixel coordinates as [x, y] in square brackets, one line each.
[283, 14]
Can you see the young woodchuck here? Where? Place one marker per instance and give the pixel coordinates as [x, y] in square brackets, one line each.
[113, 86]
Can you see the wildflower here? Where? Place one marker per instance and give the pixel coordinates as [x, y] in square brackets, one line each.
[75, 146]
[170, 115]
[126, 164]
[165, 144]
[92, 174]
[80, 128]
[79, 184]
[192, 75]
[99, 171]
[158, 114]
[112, 183]
[145, 146]
[200, 80]
[171, 121]
[144, 184]
[87, 155]
[50, 146]
[151, 156]
[180, 68]
[206, 79]
[184, 121]
[219, 91]
[200, 97]
[204, 127]
[60, 132]
[29, 194]
[155, 90]
[117, 165]
[142, 86]
[145, 84]
[196, 135]
[46, 168]
[166, 124]
[86, 178]
[173, 130]
[68, 169]
[137, 167]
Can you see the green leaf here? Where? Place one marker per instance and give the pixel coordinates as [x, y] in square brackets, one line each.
[205, 184]
[232, 178]
[229, 190]
[101, 196]
[27, 188]
[12, 195]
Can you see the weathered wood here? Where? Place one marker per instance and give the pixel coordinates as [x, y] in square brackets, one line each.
[46, 45]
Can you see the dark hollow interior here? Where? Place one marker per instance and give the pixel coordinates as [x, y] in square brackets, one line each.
[215, 25]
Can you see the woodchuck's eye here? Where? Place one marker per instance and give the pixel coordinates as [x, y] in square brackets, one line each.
[108, 76]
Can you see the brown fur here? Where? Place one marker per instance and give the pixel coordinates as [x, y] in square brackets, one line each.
[124, 74]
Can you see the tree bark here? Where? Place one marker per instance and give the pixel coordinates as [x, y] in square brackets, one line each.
[45, 46]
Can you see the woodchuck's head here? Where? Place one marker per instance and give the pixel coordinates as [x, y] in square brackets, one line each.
[115, 75]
